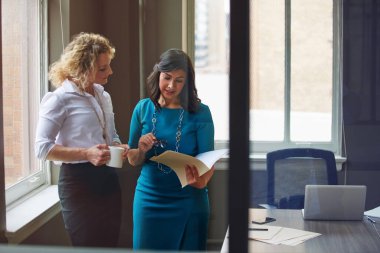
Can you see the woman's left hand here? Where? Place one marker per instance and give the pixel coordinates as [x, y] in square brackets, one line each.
[194, 179]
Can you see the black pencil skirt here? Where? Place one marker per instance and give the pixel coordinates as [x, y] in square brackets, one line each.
[90, 197]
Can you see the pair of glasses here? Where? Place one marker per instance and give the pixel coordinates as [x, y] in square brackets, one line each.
[160, 143]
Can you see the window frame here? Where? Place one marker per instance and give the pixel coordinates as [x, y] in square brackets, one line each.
[336, 133]
[39, 180]
[336, 125]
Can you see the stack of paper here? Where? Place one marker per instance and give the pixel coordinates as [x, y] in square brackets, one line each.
[373, 212]
[280, 235]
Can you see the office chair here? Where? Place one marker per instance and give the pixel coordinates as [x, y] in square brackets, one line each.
[289, 170]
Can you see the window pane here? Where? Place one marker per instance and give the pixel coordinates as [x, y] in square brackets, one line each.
[21, 81]
[267, 70]
[291, 71]
[311, 70]
[211, 60]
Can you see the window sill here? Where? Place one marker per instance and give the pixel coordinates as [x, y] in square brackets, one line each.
[258, 162]
[28, 216]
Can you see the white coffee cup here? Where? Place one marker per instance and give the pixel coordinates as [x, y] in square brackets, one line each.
[116, 159]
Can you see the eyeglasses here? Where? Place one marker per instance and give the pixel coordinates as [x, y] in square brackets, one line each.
[160, 144]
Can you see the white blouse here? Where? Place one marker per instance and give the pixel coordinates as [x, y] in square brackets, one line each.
[72, 118]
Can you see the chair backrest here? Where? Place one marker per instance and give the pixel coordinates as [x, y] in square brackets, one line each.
[289, 170]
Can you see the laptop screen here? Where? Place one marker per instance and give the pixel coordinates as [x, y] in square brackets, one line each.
[334, 202]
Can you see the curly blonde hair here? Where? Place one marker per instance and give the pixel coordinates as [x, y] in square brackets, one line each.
[78, 60]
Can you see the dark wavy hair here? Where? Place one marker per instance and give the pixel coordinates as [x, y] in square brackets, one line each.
[170, 60]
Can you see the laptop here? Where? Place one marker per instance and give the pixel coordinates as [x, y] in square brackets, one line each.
[334, 202]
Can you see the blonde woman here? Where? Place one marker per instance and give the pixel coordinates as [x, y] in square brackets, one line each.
[76, 126]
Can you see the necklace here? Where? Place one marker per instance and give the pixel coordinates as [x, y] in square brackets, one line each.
[163, 143]
[102, 121]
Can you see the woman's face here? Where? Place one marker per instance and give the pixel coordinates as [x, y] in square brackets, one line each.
[103, 69]
[171, 84]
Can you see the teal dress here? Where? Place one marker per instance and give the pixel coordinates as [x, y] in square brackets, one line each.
[165, 215]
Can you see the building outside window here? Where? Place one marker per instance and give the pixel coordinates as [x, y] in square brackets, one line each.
[294, 66]
[24, 82]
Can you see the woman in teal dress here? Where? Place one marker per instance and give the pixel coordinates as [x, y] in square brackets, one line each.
[165, 215]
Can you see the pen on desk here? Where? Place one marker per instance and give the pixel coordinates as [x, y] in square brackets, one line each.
[371, 220]
[258, 229]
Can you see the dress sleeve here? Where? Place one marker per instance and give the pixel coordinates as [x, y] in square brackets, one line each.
[51, 117]
[205, 131]
[135, 127]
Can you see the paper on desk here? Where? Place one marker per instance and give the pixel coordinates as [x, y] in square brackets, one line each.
[263, 235]
[299, 240]
[290, 236]
[373, 212]
[177, 161]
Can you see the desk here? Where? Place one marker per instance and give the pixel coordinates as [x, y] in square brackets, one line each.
[337, 236]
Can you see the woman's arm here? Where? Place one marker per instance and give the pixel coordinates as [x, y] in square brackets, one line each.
[97, 155]
[205, 140]
[136, 156]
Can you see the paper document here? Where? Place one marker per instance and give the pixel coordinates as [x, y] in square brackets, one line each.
[274, 235]
[291, 236]
[280, 235]
[262, 235]
[373, 212]
[178, 161]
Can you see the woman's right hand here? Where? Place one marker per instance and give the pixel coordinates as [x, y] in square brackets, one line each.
[136, 156]
[98, 154]
[146, 142]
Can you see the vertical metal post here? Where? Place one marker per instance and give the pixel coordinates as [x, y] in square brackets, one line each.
[239, 126]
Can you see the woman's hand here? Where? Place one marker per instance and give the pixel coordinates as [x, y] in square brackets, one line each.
[126, 149]
[137, 156]
[146, 142]
[195, 180]
[98, 154]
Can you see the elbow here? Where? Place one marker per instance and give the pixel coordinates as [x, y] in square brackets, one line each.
[38, 151]
[42, 150]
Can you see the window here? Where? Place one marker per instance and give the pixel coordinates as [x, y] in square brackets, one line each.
[211, 61]
[24, 82]
[295, 71]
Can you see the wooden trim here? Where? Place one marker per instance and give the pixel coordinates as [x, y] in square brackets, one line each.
[3, 222]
